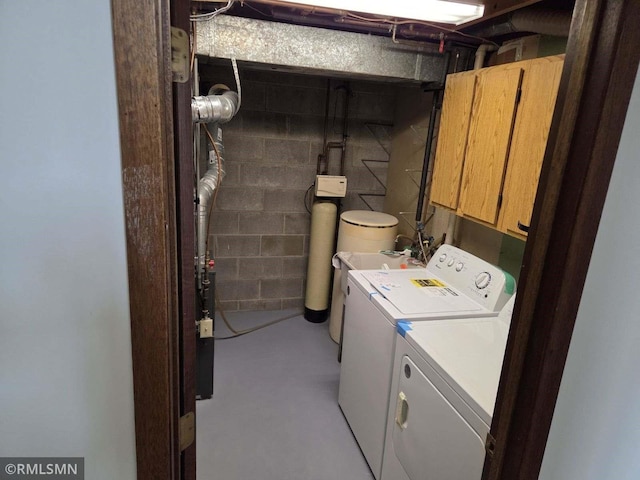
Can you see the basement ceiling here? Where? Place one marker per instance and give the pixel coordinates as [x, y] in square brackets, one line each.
[496, 12]
[269, 34]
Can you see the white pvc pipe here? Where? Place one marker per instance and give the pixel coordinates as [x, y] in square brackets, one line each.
[481, 53]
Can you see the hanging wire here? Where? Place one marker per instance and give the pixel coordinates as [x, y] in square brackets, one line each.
[424, 254]
[202, 17]
[237, 76]
[417, 22]
[240, 333]
[306, 197]
[193, 46]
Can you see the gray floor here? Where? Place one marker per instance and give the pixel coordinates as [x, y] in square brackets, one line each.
[274, 414]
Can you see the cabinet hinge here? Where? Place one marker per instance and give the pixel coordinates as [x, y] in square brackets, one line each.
[518, 95]
[490, 445]
[179, 55]
[187, 430]
[499, 201]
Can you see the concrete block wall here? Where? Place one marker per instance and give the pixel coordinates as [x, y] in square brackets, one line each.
[260, 226]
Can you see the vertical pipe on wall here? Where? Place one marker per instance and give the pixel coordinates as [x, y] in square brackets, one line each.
[427, 157]
[427, 151]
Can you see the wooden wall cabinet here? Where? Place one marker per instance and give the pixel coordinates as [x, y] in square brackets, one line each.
[452, 139]
[493, 134]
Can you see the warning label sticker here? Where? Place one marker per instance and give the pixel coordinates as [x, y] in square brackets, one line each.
[427, 282]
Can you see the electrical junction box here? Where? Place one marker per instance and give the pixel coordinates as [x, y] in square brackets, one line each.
[206, 328]
[331, 186]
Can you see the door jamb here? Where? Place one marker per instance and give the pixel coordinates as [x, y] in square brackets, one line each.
[142, 54]
[600, 69]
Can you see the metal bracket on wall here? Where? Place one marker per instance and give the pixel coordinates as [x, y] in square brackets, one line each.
[409, 174]
[412, 225]
[179, 55]
[361, 196]
[380, 132]
[187, 432]
[364, 162]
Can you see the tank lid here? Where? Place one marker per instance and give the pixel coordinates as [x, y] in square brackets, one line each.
[367, 218]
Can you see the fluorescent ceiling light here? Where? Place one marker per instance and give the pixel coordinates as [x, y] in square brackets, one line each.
[441, 11]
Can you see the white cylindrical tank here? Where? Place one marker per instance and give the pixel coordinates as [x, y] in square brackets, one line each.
[323, 231]
[360, 231]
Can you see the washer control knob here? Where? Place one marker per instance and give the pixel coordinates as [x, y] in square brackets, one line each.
[459, 267]
[483, 279]
[451, 262]
[442, 258]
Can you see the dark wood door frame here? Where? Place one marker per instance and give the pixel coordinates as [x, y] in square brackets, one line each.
[142, 51]
[185, 211]
[600, 70]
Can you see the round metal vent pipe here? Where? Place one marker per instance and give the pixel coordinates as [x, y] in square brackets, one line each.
[206, 190]
[219, 108]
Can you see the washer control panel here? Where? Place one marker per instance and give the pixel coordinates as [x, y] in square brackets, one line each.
[485, 283]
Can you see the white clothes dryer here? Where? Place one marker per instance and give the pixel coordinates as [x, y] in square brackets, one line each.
[455, 284]
[445, 380]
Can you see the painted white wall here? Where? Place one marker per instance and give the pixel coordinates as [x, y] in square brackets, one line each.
[595, 433]
[65, 353]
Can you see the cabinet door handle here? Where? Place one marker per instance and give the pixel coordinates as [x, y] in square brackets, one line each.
[524, 228]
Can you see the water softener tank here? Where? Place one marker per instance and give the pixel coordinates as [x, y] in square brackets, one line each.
[360, 231]
[323, 230]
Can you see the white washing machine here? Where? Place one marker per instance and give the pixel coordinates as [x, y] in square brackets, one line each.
[455, 284]
[445, 380]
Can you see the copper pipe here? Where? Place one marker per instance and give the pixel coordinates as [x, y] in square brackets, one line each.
[307, 8]
[361, 23]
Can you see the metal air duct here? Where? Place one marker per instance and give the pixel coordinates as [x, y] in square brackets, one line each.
[218, 107]
[542, 21]
[206, 190]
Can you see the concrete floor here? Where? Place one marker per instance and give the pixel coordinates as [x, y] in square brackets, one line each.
[274, 414]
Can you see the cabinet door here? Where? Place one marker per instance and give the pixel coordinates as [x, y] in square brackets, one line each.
[528, 144]
[492, 118]
[452, 139]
